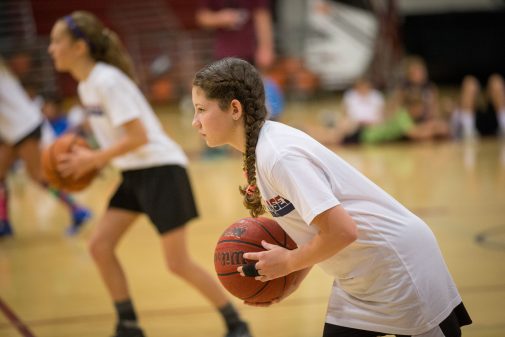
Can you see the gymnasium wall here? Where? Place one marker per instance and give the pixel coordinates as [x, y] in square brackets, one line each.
[457, 43]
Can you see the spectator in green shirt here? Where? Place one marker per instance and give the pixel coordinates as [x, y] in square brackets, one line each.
[401, 126]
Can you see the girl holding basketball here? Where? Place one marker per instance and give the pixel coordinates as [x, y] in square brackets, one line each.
[20, 135]
[154, 178]
[390, 276]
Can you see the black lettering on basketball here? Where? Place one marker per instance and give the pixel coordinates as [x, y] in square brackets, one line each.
[229, 258]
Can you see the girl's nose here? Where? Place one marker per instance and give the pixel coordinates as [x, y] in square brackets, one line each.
[195, 123]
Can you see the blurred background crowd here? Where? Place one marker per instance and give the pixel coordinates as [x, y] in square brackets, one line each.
[398, 69]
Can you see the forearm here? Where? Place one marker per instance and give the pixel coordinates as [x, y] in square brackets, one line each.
[320, 248]
[264, 31]
[337, 230]
[134, 136]
[210, 20]
[123, 146]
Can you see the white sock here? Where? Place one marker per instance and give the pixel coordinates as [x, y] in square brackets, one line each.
[468, 123]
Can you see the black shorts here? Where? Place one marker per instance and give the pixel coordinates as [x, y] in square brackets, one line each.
[486, 121]
[353, 138]
[163, 193]
[34, 134]
[451, 326]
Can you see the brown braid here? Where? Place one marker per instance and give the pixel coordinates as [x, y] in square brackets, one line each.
[229, 79]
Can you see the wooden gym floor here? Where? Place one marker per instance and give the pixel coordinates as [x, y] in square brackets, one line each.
[49, 286]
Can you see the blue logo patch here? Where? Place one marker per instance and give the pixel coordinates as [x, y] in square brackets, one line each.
[279, 206]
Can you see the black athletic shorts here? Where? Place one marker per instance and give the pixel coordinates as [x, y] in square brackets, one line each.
[354, 138]
[451, 326]
[34, 134]
[486, 121]
[163, 193]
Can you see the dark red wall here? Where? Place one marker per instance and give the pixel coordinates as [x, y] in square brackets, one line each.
[47, 12]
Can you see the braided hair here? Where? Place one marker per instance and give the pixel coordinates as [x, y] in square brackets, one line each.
[224, 81]
[104, 45]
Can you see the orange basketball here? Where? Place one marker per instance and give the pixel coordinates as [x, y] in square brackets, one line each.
[242, 237]
[64, 144]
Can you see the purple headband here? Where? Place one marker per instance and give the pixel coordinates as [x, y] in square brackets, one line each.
[77, 32]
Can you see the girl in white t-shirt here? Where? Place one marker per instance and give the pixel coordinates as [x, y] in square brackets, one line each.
[363, 104]
[153, 166]
[20, 137]
[390, 277]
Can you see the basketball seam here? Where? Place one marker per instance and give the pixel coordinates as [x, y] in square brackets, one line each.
[241, 241]
[258, 292]
[228, 274]
[268, 232]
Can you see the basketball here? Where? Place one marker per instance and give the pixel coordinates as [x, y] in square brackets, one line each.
[242, 237]
[64, 144]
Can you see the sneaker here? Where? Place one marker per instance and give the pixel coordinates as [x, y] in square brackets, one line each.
[79, 217]
[5, 228]
[128, 331]
[240, 330]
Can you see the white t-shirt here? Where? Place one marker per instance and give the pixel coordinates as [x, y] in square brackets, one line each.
[111, 99]
[393, 279]
[364, 108]
[18, 115]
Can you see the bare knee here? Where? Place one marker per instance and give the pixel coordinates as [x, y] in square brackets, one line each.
[179, 266]
[100, 249]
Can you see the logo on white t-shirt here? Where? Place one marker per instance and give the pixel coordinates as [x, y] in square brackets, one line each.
[279, 206]
[94, 111]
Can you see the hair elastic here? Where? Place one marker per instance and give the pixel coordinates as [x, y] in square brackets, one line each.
[250, 189]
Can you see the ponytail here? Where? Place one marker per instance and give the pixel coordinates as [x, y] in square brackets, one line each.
[104, 45]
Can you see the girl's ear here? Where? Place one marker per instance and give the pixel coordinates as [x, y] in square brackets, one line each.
[236, 109]
[81, 47]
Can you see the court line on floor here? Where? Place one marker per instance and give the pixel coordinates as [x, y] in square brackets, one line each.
[14, 320]
[487, 238]
[208, 310]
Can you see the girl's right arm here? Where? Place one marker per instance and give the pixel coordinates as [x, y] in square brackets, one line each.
[81, 160]
[298, 278]
[134, 136]
[337, 230]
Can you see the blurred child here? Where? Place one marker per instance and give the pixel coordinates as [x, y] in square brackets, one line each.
[363, 103]
[153, 167]
[477, 114]
[53, 111]
[416, 81]
[20, 134]
[400, 126]
[274, 98]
